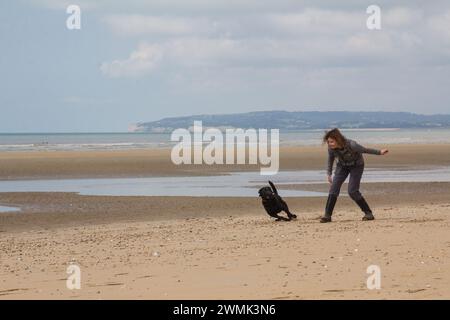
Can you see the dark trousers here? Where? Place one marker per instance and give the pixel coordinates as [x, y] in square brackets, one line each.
[341, 174]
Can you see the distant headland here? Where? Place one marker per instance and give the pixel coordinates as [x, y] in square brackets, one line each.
[299, 120]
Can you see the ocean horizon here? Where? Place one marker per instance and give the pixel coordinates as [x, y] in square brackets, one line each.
[74, 141]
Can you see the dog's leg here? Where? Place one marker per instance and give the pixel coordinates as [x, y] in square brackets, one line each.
[289, 213]
[279, 218]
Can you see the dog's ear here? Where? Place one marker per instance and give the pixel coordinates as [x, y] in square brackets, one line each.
[273, 187]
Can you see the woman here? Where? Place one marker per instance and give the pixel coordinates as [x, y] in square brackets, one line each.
[350, 162]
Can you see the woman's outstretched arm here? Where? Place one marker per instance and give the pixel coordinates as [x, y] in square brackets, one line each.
[359, 148]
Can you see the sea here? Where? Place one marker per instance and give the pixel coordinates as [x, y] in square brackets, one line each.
[142, 140]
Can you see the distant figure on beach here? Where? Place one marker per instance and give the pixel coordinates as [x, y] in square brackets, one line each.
[350, 162]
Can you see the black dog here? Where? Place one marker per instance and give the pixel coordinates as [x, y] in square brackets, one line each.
[274, 204]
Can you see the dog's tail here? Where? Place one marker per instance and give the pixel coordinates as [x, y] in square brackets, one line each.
[273, 187]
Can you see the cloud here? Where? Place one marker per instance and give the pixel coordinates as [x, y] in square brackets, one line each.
[147, 25]
[141, 61]
[317, 21]
[309, 21]
[402, 17]
[306, 39]
[440, 25]
[196, 52]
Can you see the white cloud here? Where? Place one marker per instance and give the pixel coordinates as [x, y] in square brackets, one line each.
[369, 44]
[401, 17]
[440, 25]
[141, 25]
[318, 21]
[141, 61]
[310, 38]
[193, 52]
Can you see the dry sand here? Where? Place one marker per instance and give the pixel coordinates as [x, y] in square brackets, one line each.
[201, 248]
[236, 257]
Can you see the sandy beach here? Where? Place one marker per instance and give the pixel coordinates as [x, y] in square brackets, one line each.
[218, 248]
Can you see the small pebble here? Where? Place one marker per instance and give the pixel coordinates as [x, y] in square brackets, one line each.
[156, 254]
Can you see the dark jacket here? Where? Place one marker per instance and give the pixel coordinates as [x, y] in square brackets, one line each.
[349, 155]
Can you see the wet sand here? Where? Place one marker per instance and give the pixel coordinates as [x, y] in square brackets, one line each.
[194, 248]
[156, 162]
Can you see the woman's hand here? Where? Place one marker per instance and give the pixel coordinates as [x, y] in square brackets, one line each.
[384, 151]
[330, 179]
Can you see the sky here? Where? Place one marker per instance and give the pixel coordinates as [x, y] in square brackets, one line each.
[143, 60]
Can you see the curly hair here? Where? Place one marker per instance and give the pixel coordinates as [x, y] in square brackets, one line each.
[336, 135]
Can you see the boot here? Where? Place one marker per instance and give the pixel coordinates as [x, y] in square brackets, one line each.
[331, 201]
[368, 215]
